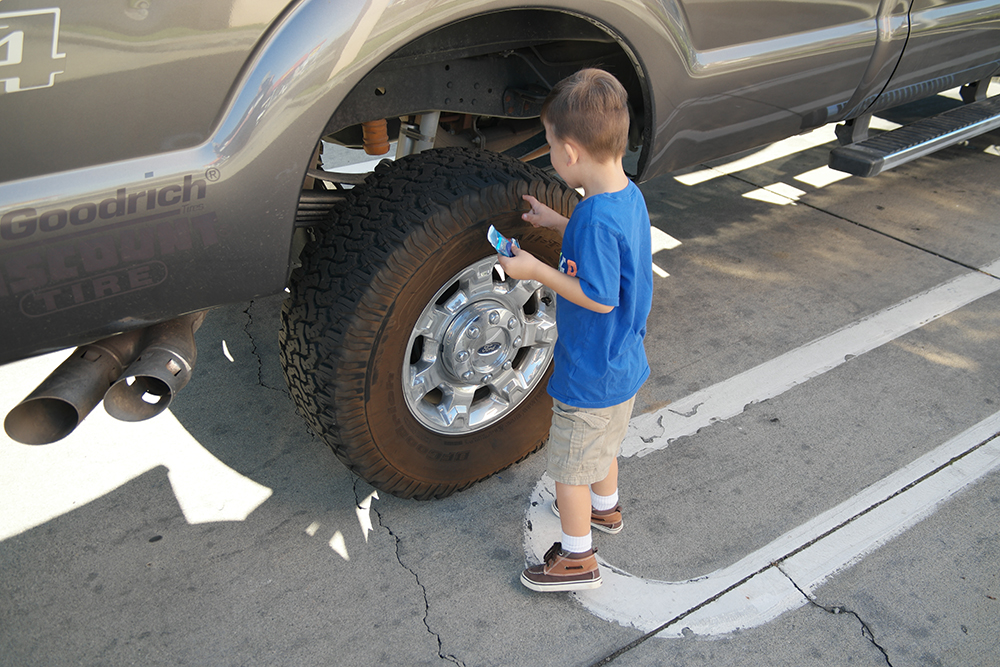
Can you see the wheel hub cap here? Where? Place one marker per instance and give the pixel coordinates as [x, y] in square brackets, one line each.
[478, 349]
[481, 342]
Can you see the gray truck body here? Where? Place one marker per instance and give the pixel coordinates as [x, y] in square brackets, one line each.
[154, 153]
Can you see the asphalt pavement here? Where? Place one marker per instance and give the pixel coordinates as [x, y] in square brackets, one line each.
[810, 477]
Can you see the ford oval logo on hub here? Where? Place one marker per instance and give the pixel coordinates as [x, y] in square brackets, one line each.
[489, 348]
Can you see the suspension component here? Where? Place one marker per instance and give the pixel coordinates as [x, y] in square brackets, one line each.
[375, 134]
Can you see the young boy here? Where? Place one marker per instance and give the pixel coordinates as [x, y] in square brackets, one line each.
[605, 284]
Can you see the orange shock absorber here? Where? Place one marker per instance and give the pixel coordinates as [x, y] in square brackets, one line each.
[376, 137]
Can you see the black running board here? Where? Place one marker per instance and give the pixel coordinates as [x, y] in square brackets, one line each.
[891, 149]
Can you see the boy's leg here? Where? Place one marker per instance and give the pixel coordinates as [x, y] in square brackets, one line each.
[574, 516]
[570, 564]
[609, 485]
[606, 513]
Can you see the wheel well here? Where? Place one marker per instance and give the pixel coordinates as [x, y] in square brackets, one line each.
[488, 76]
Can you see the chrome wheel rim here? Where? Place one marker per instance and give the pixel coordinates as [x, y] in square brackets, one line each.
[478, 349]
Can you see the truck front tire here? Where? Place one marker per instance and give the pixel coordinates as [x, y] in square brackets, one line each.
[403, 345]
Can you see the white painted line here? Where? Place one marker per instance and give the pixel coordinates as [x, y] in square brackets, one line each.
[653, 431]
[810, 568]
[759, 587]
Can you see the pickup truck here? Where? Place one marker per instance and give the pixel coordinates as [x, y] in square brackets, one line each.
[162, 158]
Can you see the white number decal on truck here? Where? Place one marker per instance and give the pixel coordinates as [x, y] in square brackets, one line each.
[29, 49]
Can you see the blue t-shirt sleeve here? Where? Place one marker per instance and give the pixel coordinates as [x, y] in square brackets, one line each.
[599, 264]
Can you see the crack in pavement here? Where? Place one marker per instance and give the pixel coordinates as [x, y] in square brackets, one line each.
[967, 457]
[423, 589]
[253, 351]
[836, 610]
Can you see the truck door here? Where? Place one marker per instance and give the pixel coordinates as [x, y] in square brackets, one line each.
[951, 42]
[764, 70]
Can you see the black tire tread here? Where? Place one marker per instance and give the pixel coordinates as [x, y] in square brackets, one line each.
[388, 221]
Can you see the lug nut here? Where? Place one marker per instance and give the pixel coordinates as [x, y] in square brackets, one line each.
[463, 355]
[511, 323]
[494, 317]
[473, 332]
[517, 342]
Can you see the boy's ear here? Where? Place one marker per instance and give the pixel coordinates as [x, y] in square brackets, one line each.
[572, 152]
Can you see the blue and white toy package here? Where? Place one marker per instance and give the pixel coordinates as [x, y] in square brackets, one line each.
[503, 245]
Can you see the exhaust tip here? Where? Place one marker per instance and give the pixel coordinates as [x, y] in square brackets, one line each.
[70, 392]
[41, 421]
[162, 369]
[58, 405]
[147, 388]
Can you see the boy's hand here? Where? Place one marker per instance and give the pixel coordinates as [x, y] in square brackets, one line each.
[522, 266]
[541, 215]
[525, 266]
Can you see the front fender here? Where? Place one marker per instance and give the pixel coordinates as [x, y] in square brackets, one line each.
[94, 251]
[98, 250]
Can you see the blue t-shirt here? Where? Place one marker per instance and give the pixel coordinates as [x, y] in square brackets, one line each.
[600, 360]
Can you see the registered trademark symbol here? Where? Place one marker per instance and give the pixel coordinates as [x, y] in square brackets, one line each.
[213, 174]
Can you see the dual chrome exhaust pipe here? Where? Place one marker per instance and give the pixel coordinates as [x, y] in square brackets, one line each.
[137, 374]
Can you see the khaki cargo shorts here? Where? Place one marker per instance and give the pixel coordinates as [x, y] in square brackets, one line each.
[583, 442]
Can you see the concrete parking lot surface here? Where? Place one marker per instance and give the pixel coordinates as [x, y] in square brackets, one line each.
[810, 477]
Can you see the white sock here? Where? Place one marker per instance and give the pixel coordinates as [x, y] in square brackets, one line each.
[602, 503]
[577, 545]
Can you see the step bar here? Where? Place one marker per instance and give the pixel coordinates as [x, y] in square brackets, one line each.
[891, 149]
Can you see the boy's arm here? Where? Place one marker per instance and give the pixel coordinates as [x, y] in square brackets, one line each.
[525, 266]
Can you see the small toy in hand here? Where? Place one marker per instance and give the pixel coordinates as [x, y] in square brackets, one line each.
[503, 245]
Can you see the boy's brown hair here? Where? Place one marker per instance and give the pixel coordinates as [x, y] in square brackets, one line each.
[591, 108]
